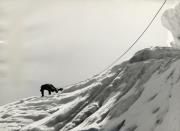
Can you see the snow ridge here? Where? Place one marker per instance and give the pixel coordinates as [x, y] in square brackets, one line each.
[141, 94]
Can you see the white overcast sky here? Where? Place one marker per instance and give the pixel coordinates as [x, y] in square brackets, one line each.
[65, 41]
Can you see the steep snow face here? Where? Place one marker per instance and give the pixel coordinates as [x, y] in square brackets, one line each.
[171, 20]
[142, 94]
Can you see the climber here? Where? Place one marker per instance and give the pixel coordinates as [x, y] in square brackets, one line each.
[50, 88]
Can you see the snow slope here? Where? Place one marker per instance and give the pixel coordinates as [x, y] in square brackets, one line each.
[171, 20]
[142, 94]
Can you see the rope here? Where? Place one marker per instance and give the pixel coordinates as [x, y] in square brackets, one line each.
[145, 30]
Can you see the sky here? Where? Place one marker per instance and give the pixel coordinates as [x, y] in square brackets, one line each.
[63, 42]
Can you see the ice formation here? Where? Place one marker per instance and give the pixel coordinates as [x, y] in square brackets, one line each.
[171, 20]
[142, 94]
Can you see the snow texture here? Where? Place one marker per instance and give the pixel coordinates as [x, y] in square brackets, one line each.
[171, 20]
[142, 94]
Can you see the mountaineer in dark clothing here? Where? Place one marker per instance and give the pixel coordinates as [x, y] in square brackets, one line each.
[50, 88]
